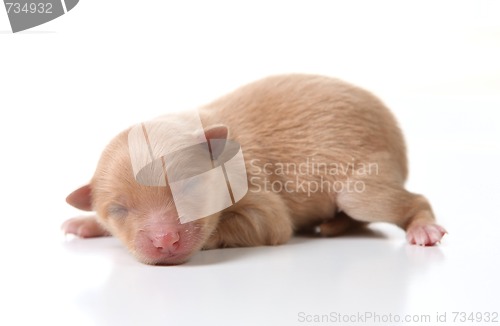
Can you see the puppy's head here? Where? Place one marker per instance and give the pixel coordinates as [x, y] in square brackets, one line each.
[145, 217]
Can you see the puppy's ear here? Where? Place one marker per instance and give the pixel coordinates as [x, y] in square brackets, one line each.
[216, 136]
[81, 198]
[216, 132]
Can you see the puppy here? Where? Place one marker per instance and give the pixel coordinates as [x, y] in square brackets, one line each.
[319, 153]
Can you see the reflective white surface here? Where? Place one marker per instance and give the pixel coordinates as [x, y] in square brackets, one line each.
[66, 88]
[96, 282]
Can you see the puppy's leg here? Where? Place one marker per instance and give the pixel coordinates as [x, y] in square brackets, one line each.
[85, 227]
[258, 219]
[389, 202]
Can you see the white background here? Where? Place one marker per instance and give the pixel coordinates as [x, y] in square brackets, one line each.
[67, 87]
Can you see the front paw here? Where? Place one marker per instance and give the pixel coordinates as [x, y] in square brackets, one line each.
[84, 227]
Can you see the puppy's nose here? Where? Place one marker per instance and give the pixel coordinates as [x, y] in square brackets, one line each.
[166, 242]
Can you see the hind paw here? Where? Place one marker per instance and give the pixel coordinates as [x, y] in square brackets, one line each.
[425, 234]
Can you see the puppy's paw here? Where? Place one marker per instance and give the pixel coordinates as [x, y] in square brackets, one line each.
[84, 227]
[425, 234]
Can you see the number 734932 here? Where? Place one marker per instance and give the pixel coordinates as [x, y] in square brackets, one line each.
[29, 8]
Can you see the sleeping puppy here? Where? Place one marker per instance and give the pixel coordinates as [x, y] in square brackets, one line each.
[318, 153]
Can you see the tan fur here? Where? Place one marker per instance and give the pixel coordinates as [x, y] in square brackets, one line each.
[283, 119]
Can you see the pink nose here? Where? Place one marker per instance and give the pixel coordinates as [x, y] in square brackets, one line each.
[166, 242]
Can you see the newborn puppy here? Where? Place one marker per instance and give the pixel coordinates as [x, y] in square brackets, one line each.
[319, 154]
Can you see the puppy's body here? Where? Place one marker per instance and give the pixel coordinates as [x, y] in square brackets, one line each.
[318, 152]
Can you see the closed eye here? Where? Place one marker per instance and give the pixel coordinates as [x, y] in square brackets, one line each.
[117, 210]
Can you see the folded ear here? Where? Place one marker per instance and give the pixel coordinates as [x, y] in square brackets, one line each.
[81, 198]
[216, 136]
[216, 132]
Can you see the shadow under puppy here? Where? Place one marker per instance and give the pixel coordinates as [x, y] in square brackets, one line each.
[318, 152]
